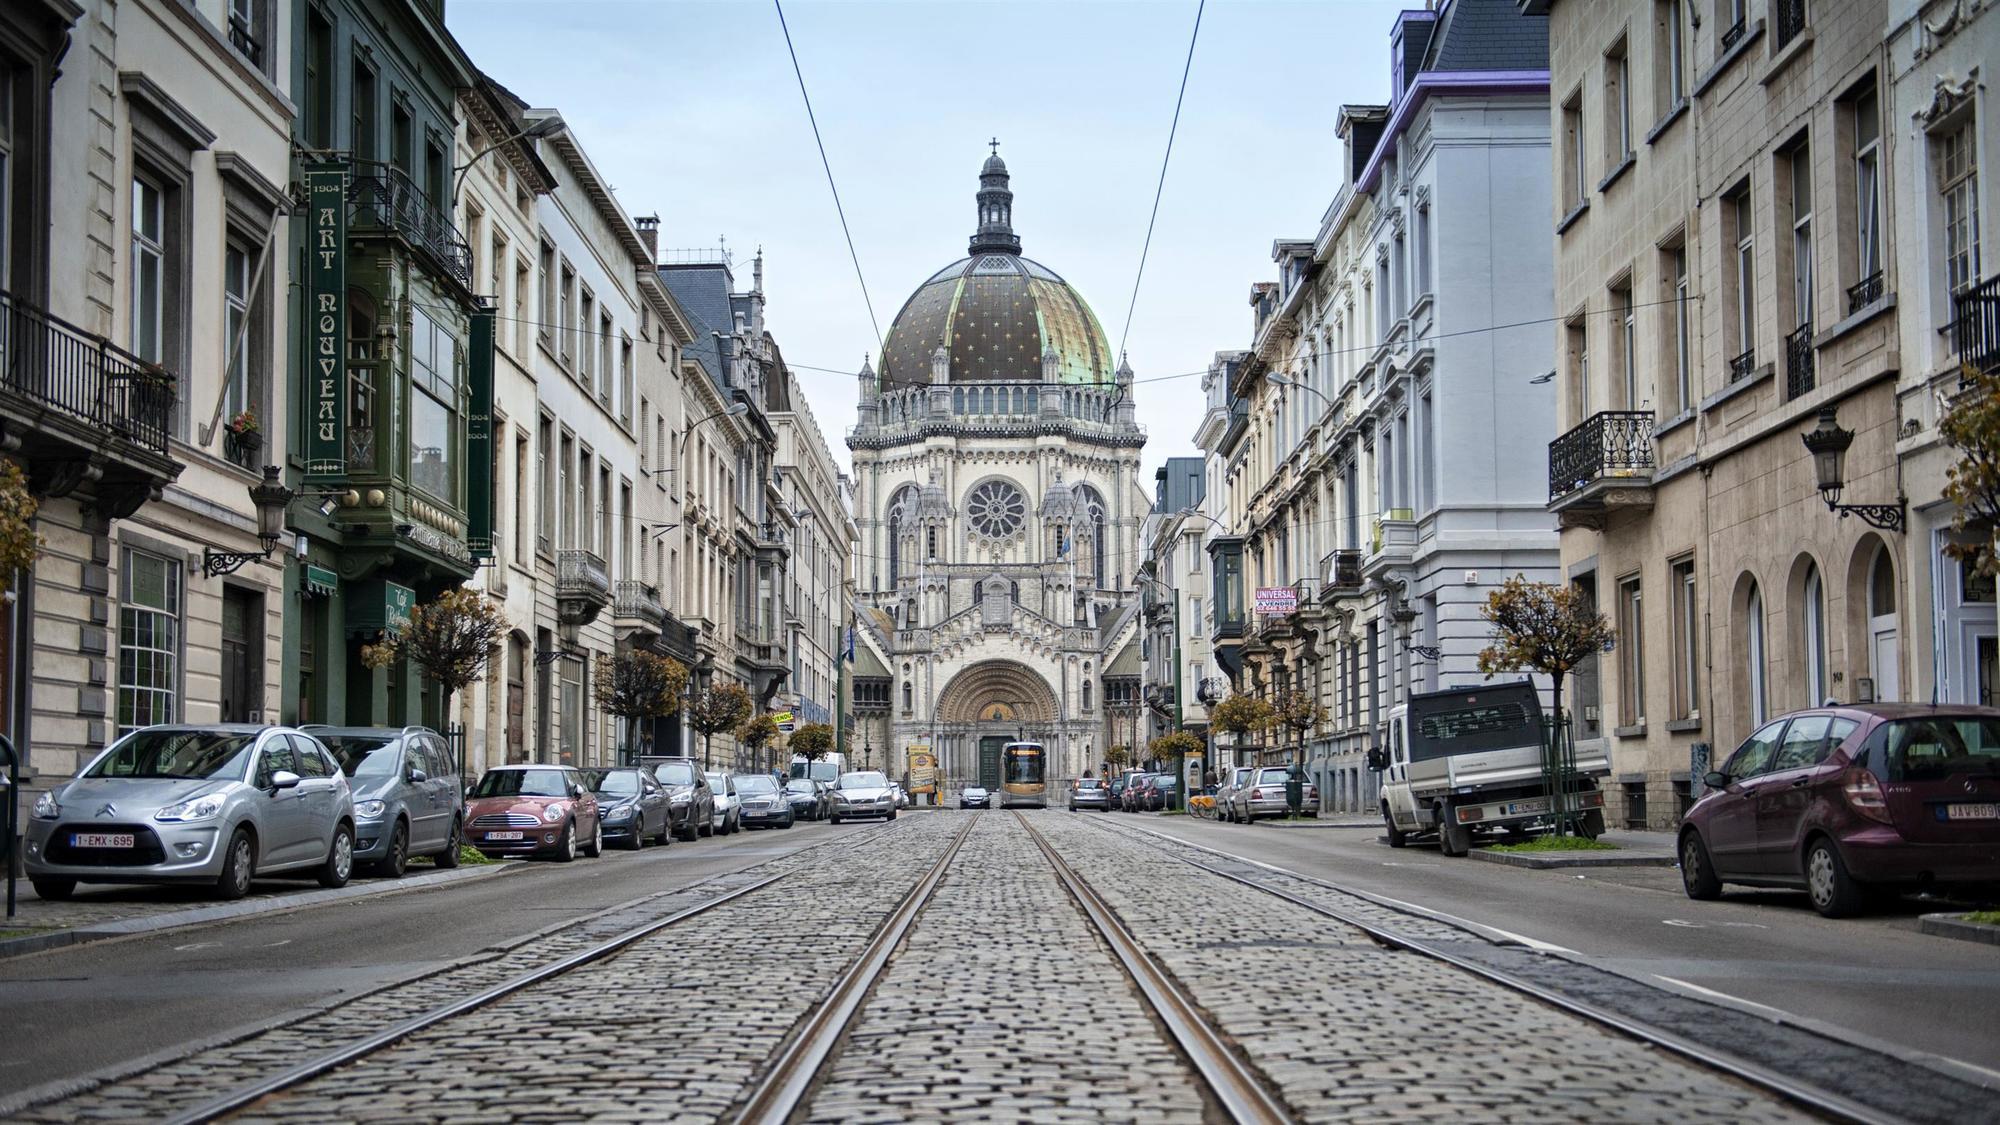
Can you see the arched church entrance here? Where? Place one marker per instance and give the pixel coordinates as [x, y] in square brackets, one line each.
[983, 708]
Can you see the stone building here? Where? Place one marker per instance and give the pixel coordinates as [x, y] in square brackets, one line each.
[1730, 269]
[998, 505]
[144, 225]
[1172, 586]
[818, 585]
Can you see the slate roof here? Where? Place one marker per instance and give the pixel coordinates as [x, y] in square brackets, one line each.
[703, 293]
[1488, 35]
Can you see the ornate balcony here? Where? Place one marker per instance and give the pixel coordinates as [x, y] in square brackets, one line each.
[1865, 292]
[1340, 574]
[583, 587]
[389, 201]
[84, 415]
[1975, 325]
[1742, 366]
[1605, 463]
[1800, 374]
[636, 605]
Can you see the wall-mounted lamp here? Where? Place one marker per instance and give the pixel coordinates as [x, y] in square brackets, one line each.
[1828, 445]
[272, 499]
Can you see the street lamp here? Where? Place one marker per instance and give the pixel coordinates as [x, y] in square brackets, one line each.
[272, 500]
[539, 129]
[735, 409]
[1828, 445]
[1287, 381]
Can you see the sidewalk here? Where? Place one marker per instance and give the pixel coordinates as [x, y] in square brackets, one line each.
[117, 910]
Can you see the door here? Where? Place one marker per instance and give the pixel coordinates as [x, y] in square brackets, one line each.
[517, 698]
[1786, 791]
[1396, 779]
[423, 799]
[284, 824]
[989, 762]
[1885, 651]
[242, 618]
[1731, 828]
[320, 786]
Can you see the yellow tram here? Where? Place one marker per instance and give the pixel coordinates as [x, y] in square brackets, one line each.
[1023, 776]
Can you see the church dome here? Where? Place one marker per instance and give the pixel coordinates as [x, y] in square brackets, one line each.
[995, 312]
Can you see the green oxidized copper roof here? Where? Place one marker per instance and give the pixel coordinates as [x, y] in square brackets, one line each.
[996, 313]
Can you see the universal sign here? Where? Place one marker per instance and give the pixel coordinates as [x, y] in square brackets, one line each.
[326, 315]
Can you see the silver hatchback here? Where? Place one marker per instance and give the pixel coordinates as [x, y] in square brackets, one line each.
[195, 804]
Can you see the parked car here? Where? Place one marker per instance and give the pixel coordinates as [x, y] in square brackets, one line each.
[408, 800]
[634, 807]
[690, 802]
[1114, 792]
[1225, 793]
[863, 793]
[974, 797]
[1852, 803]
[728, 807]
[807, 798]
[1134, 797]
[1263, 794]
[763, 802]
[213, 804]
[534, 810]
[1088, 793]
[902, 795]
[1163, 793]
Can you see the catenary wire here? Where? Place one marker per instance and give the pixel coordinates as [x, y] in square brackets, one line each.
[824, 163]
[1160, 188]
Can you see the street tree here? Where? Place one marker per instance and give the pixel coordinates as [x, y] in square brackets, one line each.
[1117, 756]
[19, 543]
[1240, 714]
[1176, 746]
[638, 687]
[717, 709]
[1972, 428]
[757, 733]
[452, 638]
[1297, 711]
[1546, 628]
[812, 741]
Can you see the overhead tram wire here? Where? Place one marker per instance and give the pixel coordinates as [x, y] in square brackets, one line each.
[828, 166]
[1159, 189]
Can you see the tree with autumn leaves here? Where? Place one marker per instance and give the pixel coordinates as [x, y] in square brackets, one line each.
[1240, 714]
[716, 709]
[1972, 428]
[756, 734]
[638, 687]
[1299, 712]
[1542, 627]
[452, 638]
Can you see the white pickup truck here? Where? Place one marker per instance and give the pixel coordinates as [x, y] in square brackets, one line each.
[1470, 759]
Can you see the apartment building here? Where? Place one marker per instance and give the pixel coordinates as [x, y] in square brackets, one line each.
[818, 585]
[1729, 273]
[1173, 584]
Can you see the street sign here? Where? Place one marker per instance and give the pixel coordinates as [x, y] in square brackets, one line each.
[784, 720]
[1277, 601]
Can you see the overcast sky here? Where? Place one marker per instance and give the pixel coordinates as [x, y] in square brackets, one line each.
[691, 111]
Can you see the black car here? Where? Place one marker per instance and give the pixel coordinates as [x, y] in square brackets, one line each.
[807, 797]
[690, 801]
[632, 805]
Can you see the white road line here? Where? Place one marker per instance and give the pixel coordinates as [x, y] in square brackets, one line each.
[1713, 994]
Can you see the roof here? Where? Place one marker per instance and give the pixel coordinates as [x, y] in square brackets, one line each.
[996, 313]
[1488, 35]
[702, 289]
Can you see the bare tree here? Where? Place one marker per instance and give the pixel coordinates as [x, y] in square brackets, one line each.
[639, 686]
[715, 710]
[453, 638]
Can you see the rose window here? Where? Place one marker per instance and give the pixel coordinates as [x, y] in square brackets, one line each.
[996, 509]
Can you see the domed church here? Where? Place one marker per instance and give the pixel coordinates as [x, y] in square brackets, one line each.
[996, 488]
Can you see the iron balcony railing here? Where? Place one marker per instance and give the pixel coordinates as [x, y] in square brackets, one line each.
[1610, 444]
[638, 601]
[1740, 366]
[245, 41]
[1733, 34]
[1799, 374]
[1341, 569]
[1865, 292]
[60, 366]
[389, 199]
[1788, 18]
[582, 574]
[1975, 325]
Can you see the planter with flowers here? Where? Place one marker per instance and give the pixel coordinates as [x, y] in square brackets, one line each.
[243, 439]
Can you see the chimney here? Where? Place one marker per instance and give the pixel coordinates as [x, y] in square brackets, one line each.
[649, 233]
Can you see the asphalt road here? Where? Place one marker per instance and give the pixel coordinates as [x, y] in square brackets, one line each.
[109, 1002]
[1875, 976]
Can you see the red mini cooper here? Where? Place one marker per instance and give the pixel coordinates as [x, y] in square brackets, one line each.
[1851, 803]
[533, 810]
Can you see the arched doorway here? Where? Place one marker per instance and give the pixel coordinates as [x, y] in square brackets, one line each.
[1885, 649]
[983, 708]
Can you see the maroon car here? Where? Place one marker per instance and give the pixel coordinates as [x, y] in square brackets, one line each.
[1851, 803]
[533, 810]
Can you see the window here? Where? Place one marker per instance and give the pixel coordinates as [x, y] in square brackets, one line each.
[1743, 277]
[1579, 368]
[1958, 192]
[1423, 259]
[1631, 654]
[605, 372]
[1788, 18]
[1669, 54]
[545, 495]
[1754, 756]
[235, 309]
[1753, 653]
[1799, 165]
[1686, 637]
[625, 383]
[1804, 744]
[1576, 187]
[1426, 456]
[1867, 195]
[566, 321]
[402, 139]
[149, 270]
[319, 80]
[149, 640]
[522, 486]
[433, 406]
[1682, 338]
[1624, 325]
[522, 294]
[1813, 622]
[586, 305]
[545, 271]
[1617, 105]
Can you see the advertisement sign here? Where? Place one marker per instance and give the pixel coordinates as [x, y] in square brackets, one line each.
[479, 436]
[397, 601]
[784, 720]
[326, 318]
[923, 770]
[1191, 774]
[1277, 601]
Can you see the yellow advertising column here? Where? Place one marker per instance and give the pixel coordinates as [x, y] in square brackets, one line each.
[923, 772]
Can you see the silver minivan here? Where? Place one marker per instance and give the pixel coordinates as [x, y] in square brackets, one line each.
[195, 804]
[407, 798]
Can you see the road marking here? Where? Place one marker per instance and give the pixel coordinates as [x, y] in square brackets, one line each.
[194, 945]
[1685, 924]
[276, 944]
[1724, 996]
[1522, 939]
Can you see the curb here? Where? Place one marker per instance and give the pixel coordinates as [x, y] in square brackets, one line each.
[1556, 861]
[1955, 926]
[153, 923]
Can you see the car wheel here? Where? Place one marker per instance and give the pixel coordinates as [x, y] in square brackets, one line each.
[788, 822]
[688, 831]
[1834, 892]
[339, 865]
[891, 816]
[708, 826]
[596, 846]
[239, 863]
[448, 858]
[397, 859]
[566, 845]
[836, 819]
[54, 890]
[1453, 839]
[1397, 837]
[1697, 873]
[666, 835]
[638, 840]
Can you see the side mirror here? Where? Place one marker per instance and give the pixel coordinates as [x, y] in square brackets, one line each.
[575, 790]
[284, 779]
[1378, 759]
[1715, 779]
[417, 775]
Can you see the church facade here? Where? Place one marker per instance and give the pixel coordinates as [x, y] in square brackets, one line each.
[997, 498]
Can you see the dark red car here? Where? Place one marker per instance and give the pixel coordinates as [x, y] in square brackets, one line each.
[1850, 803]
[534, 810]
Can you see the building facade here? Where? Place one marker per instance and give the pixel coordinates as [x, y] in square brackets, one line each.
[998, 506]
[1172, 587]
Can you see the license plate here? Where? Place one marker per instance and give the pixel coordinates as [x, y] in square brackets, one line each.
[1518, 808]
[1990, 811]
[101, 840]
[503, 836]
